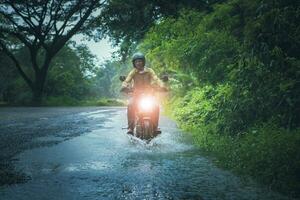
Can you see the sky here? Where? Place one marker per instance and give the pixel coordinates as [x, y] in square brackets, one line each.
[102, 49]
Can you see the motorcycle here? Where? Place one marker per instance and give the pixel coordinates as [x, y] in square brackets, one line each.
[146, 109]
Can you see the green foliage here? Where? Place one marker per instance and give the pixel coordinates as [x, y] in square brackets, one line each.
[201, 105]
[13, 89]
[106, 81]
[127, 21]
[61, 101]
[66, 75]
[268, 153]
[206, 50]
[109, 102]
[42, 30]
[73, 78]
[69, 101]
[235, 76]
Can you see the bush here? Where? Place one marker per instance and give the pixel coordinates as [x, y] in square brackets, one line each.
[109, 102]
[61, 101]
[103, 102]
[211, 107]
[236, 74]
[268, 153]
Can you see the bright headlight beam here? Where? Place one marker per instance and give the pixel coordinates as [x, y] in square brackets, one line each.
[146, 103]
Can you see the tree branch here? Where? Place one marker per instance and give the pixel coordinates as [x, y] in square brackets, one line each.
[36, 31]
[56, 16]
[26, 19]
[69, 15]
[17, 64]
[29, 14]
[63, 39]
[14, 24]
[32, 47]
[18, 35]
[43, 14]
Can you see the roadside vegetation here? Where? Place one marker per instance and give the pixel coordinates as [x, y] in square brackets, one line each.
[235, 82]
[74, 79]
[234, 68]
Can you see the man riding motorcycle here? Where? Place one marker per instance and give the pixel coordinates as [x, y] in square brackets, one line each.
[139, 79]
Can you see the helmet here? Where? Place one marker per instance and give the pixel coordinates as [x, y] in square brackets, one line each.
[138, 55]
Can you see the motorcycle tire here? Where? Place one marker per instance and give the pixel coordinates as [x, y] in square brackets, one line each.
[147, 130]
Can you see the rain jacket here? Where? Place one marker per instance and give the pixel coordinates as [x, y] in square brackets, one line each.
[139, 80]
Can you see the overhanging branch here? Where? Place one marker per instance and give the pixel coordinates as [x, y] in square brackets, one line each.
[17, 35]
[17, 64]
[60, 41]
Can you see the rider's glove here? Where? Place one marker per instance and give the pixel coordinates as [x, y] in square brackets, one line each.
[124, 89]
[163, 89]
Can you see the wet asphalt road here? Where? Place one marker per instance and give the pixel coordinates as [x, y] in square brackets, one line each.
[82, 153]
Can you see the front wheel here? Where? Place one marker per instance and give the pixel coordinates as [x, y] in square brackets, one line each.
[147, 130]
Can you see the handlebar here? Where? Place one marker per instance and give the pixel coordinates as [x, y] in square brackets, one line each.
[151, 89]
[127, 90]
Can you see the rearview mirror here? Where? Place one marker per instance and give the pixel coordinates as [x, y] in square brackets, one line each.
[122, 78]
[165, 78]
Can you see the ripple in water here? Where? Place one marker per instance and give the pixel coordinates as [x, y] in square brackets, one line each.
[108, 164]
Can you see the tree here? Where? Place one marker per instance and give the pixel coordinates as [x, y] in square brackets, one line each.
[43, 27]
[6, 75]
[127, 21]
[69, 73]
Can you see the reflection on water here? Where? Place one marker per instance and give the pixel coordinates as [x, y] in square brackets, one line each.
[108, 164]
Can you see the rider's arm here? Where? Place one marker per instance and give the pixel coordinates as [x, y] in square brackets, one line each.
[155, 79]
[127, 82]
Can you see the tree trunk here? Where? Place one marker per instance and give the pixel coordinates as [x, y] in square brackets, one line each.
[37, 92]
[37, 96]
[38, 88]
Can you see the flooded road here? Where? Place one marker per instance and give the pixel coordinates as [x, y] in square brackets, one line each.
[105, 163]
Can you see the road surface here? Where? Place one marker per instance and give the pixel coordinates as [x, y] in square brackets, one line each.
[82, 153]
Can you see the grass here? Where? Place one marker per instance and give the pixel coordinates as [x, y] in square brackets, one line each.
[104, 102]
[266, 152]
[68, 101]
[3, 103]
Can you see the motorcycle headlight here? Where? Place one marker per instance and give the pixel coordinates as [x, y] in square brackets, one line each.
[147, 103]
